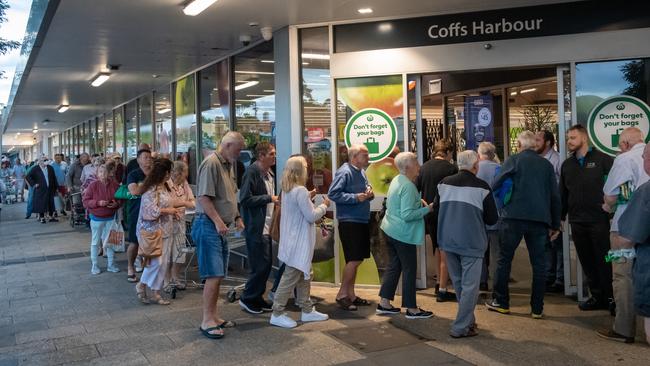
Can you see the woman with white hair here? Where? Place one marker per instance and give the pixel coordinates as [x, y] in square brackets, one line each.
[403, 226]
[488, 169]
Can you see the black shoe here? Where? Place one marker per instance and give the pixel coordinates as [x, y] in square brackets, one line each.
[495, 306]
[613, 336]
[266, 306]
[387, 311]
[593, 304]
[612, 307]
[445, 296]
[555, 288]
[437, 289]
[64, 213]
[27, 217]
[250, 308]
[56, 214]
[54, 219]
[41, 220]
[421, 314]
[483, 287]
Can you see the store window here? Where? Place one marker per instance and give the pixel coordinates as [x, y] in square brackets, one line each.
[77, 140]
[532, 107]
[100, 134]
[118, 119]
[215, 106]
[185, 112]
[254, 100]
[163, 122]
[92, 132]
[110, 133]
[144, 119]
[131, 123]
[316, 106]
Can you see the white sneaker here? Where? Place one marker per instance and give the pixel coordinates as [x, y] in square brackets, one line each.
[283, 321]
[95, 270]
[313, 316]
[112, 269]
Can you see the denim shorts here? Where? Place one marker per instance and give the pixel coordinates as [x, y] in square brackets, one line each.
[211, 248]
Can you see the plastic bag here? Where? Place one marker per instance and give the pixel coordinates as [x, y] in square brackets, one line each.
[115, 237]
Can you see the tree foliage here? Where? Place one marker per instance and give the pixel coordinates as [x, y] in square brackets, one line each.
[5, 44]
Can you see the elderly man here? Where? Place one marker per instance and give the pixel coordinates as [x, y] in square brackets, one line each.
[464, 205]
[626, 175]
[59, 171]
[634, 228]
[581, 188]
[352, 194]
[545, 141]
[73, 178]
[532, 212]
[257, 197]
[43, 179]
[216, 211]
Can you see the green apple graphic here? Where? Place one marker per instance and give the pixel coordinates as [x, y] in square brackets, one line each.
[380, 174]
[383, 93]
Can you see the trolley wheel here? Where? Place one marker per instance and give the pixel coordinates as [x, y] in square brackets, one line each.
[232, 295]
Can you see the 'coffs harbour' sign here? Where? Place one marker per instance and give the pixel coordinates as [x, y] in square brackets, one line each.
[490, 25]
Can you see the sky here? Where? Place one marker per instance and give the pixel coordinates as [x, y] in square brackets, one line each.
[13, 29]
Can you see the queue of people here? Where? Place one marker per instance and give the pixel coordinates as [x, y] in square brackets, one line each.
[476, 211]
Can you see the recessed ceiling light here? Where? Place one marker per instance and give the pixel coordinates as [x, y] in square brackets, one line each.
[316, 56]
[254, 72]
[305, 63]
[269, 90]
[247, 84]
[35, 130]
[267, 61]
[195, 7]
[17, 133]
[100, 79]
[527, 90]
[164, 110]
[365, 11]
[62, 108]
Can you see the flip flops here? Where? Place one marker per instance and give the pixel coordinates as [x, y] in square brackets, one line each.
[227, 324]
[346, 304]
[360, 302]
[132, 278]
[206, 332]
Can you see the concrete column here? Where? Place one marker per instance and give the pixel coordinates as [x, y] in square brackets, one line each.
[288, 131]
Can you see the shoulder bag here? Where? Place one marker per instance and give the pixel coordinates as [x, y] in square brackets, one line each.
[150, 243]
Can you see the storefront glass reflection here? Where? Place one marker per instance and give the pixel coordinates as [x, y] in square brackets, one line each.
[163, 122]
[131, 121]
[532, 107]
[144, 119]
[254, 100]
[215, 106]
[99, 142]
[118, 117]
[185, 112]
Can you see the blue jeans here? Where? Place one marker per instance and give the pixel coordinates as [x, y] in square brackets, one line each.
[211, 248]
[536, 235]
[555, 261]
[30, 201]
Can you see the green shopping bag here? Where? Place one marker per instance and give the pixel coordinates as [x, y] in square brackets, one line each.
[372, 145]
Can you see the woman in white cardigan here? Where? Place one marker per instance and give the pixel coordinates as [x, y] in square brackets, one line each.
[297, 241]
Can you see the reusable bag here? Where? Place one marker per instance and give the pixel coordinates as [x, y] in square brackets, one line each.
[123, 193]
[115, 237]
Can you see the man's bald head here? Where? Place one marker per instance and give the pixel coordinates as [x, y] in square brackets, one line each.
[630, 137]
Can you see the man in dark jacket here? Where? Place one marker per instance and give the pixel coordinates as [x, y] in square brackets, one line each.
[582, 178]
[257, 198]
[532, 212]
[465, 205]
[43, 179]
[431, 173]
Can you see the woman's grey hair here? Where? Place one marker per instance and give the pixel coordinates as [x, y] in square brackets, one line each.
[232, 137]
[467, 159]
[488, 150]
[526, 140]
[404, 160]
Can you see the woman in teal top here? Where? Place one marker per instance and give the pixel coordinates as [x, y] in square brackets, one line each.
[403, 226]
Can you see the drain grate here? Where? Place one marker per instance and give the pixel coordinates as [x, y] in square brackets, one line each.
[374, 338]
[48, 258]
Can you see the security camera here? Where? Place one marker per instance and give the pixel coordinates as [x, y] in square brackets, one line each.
[267, 33]
[245, 39]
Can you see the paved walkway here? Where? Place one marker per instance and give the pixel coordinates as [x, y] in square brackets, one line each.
[52, 311]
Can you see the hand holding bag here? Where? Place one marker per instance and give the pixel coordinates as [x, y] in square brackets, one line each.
[150, 243]
[123, 193]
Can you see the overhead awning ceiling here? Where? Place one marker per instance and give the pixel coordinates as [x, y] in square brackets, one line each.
[154, 37]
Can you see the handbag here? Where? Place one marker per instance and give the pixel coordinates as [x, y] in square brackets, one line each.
[123, 193]
[115, 237]
[150, 243]
[274, 230]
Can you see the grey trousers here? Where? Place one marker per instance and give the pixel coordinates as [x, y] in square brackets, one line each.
[465, 273]
[625, 321]
[292, 278]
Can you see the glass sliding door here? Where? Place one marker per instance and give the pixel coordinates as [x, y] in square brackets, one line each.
[215, 106]
[163, 122]
[131, 125]
[185, 113]
[145, 120]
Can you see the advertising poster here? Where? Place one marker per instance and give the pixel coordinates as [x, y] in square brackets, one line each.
[479, 121]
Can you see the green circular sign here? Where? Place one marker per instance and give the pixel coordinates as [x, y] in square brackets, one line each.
[611, 116]
[373, 128]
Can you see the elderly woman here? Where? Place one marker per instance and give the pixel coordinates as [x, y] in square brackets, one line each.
[403, 226]
[99, 200]
[297, 241]
[89, 172]
[183, 198]
[156, 212]
[488, 168]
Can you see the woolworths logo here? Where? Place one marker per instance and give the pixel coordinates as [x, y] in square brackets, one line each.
[610, 117]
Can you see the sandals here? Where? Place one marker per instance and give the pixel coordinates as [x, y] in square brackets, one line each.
[361, 302]
[346, 304]
[159, 300]
[227, 324]
[142, 294]
[207, 332]
[132, 278]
